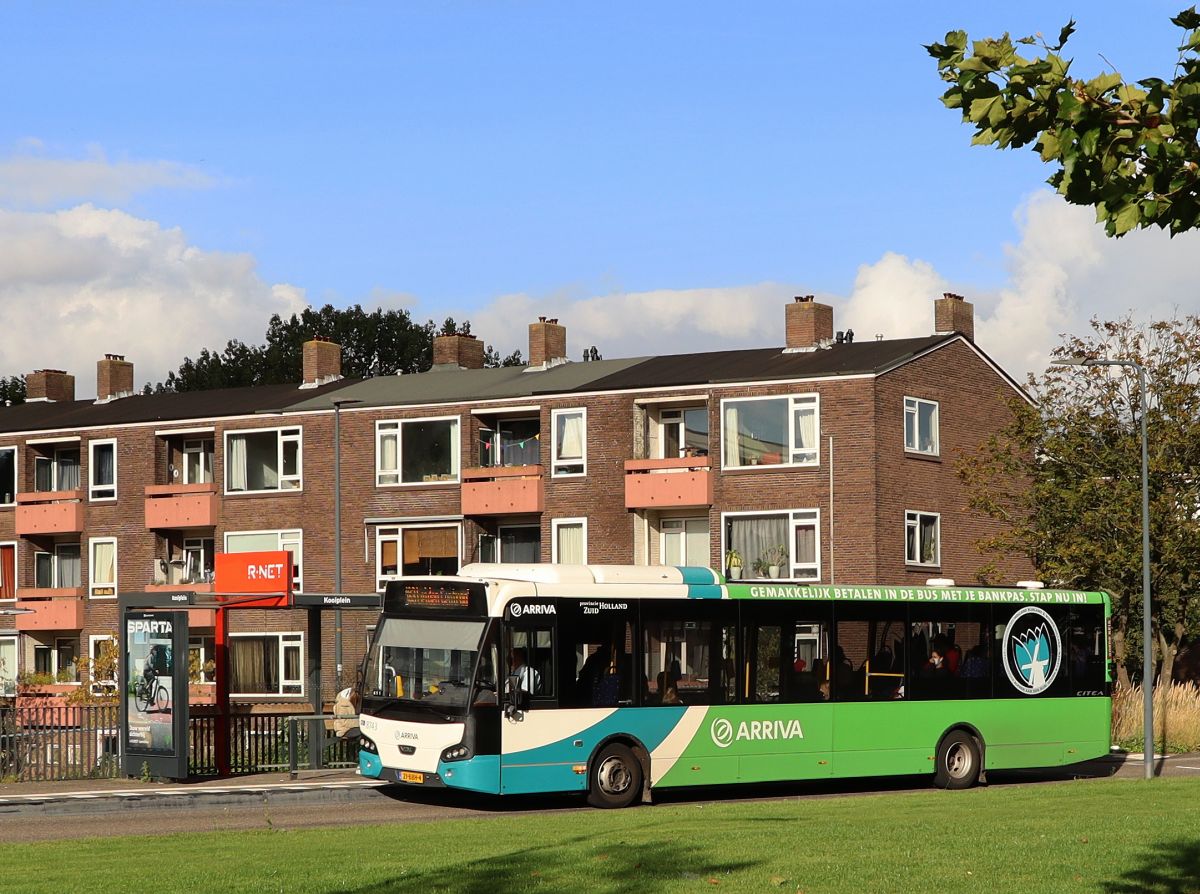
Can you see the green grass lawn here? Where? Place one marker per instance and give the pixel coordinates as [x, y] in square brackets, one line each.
[1100, 835]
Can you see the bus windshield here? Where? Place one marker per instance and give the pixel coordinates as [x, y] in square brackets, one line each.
[429, 662]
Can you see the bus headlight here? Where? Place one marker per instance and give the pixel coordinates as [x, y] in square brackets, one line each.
[365, 744]
[456, 753]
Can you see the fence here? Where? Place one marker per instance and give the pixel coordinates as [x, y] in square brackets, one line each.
[49, 743]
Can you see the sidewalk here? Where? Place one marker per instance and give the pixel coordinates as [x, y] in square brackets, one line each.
[26, 793]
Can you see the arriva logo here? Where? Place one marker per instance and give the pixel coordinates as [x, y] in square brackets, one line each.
[723, 734]
[516, 609]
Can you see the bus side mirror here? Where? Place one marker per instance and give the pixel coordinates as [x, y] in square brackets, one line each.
[517, 698]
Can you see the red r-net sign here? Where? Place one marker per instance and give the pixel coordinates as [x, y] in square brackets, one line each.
[253, 572]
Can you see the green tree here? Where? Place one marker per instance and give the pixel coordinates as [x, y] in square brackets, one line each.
[1126, 148]
[376, 343]
[1065, 477]
[12, 390]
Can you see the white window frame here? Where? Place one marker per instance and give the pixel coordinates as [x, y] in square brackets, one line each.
[93, 584]
[385, 428]
[912, 519]
[207, 459]
[54, 463]
[500, 529]
[386, 533]
[794, 403]
[283, 638]
[555, 464]
[92, 641]
[556, 523]
[197, 544]
[16, 559]
[54, 562]
[53, 649]
[16, 476]
[283, 434]
[15, 669]
[912, 410]
[682, 521]
[673, 417]
[99, 493]
[795, 517]
[285, 536]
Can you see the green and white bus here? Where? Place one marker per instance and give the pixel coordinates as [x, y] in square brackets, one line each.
[616, 680]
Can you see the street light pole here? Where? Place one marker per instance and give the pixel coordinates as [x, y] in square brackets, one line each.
[1147, 633]
[337, 528]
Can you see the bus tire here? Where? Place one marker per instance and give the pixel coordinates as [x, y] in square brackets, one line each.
[616, 778]
[958, 761]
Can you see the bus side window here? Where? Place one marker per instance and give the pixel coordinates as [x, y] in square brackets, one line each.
[531, 657]
[869, 658]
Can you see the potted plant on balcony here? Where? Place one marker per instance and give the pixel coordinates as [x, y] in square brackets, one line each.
[733, 562]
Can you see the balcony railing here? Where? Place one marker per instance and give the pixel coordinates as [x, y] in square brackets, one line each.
[50, 608]
[182, 506]
[668, 483]
[503, 490]
[49, 512]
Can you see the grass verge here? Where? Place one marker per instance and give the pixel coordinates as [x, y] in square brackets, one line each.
[1113, 836]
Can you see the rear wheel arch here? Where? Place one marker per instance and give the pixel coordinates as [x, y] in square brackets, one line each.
[954, 732]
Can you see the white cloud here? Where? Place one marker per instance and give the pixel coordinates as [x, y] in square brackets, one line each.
[29, 178]
[1062, 272]
[79, 283]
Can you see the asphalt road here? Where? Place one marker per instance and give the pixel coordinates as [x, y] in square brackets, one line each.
[317, 807]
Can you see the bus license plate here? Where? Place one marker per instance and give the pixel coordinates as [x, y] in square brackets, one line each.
[409, 776]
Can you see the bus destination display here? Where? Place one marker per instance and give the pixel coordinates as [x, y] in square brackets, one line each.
[434, 596]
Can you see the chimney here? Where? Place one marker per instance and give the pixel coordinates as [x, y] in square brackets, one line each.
[322, 362]
[808, 323]
[114, 378]
[460, 351]
[49, 384]
[547, 343]
[951, 313]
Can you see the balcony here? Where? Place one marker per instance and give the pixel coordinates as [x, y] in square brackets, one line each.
[668, 483]
[60, 608]
[503, 490]
[50, 512]
[182, 506]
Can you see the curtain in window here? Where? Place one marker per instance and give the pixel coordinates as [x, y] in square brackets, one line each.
[806, 544]
[8, 666]
[8, 572]
[752, 537]
[929, 539]
[570, 437]
[262, 462]
[730, 437]
[8, 476]
[104, 457]
[251, 543]
[43, 479]
[68, 471]
[236, 462]
[68, 566]
[252, 665]
[387, 456]
[927, 426]
[570, 544]
[388, 558]
[806, 428]
[104, 563]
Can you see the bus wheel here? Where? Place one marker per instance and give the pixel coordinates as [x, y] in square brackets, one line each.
[616, 778]
[958, 761]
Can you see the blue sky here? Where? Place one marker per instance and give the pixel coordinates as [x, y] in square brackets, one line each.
[444, 156]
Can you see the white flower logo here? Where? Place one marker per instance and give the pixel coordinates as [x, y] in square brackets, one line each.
[721, 732]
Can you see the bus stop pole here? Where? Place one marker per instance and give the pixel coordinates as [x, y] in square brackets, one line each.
[315, 743]
[222, 671]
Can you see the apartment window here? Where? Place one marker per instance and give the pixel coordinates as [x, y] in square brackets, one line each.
[259, 461]
[569, 447]
[416, 451]
[684, 541]
[684, 432]
[570, 541]
[57, 472]
[266, 663]
[271, 541]
[771, 431]
[421, 549]
[58, 660]
[102, 470]
[922, 538]
[512, 544]
[8, 476]
[8, 666]
[202, 654]
[921, 426]
[59, 569]
[776, 544]
[8, 571]
[102, 567]
[511, 442]
[198, 560]
[198, 461]
[102, 651]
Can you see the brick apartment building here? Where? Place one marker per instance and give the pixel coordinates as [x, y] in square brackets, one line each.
[829, 460]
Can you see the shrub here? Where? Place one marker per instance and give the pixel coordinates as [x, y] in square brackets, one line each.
[1176, 718]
